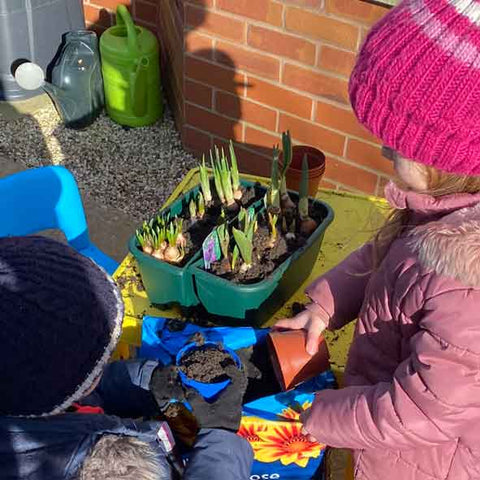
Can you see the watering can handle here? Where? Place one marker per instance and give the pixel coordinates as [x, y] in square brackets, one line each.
[124, 19]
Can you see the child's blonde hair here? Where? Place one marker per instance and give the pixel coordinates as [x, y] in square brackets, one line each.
[116, 457]
[439, 183]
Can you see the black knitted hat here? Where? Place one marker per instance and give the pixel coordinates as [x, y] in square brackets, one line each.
[60, 321]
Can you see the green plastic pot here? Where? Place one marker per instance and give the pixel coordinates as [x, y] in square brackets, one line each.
[256, 302]
[165, 283]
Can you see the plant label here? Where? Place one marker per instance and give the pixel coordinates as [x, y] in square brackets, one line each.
[211, 249]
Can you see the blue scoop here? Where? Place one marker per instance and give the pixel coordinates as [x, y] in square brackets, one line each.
[206, 390]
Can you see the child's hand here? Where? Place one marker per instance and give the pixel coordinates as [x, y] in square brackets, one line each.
[303, 418]
[306, 320]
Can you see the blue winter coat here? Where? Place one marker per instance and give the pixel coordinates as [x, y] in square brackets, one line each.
[53, 448]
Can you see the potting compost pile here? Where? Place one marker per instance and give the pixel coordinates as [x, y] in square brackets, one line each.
[206, 364]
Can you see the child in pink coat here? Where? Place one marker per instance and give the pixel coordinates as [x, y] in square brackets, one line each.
[411, 406]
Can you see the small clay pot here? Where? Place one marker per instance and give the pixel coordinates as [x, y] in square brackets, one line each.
[316, 168]
[291, 361]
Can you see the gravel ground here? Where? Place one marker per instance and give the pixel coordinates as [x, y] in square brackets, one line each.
[133, 170]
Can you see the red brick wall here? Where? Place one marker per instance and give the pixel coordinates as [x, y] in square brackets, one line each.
[257, 67]
[250, 69]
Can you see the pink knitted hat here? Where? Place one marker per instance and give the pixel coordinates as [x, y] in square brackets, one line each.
[416, 84]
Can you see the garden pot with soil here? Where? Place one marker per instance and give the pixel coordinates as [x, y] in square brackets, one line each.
[264, 257]
[291, 362]
[166, 246]
[222, 294]
[316, 168]
[202, 367]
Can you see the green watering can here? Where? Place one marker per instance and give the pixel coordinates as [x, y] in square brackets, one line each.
[131, 72]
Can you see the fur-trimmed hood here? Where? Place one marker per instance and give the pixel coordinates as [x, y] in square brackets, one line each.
[448, 237]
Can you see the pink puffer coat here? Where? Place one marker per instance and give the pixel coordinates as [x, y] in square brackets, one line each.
[411, 408]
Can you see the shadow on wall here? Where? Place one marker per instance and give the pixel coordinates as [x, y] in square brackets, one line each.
[213, 89]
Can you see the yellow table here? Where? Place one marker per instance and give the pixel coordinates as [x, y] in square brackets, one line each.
[356, 218]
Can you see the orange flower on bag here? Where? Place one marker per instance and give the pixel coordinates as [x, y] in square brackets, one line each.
[251, 428]
[284, 441]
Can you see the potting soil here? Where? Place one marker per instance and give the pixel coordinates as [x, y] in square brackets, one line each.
[206, 364]
[266, 259]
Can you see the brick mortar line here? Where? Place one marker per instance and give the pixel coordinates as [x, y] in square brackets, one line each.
[216, 90]
[286, 61]
[318, 43]
[326, 100]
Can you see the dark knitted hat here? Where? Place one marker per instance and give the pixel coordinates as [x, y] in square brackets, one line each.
[60, 321]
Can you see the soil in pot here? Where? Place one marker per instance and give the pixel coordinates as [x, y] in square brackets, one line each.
[206, 364]
[266, 259]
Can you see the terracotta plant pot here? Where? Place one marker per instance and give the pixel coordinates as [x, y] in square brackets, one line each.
[316, 168]
[291, 361]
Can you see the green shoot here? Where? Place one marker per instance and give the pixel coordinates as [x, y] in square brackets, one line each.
[159, 238]
[247, 221]
[140, 236]
[242, 215]
[245, 245]
[217, 177]
[205, 182]
[237, 192]
[274, 190]
[272, 221]
[224, 238]
[172, 234]
[286, 201]
[287, 151]
[287, 158]
[284, 225]
[226, 177]
[200, 205]
[235, 255]
[303, 202]
[192, 207]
